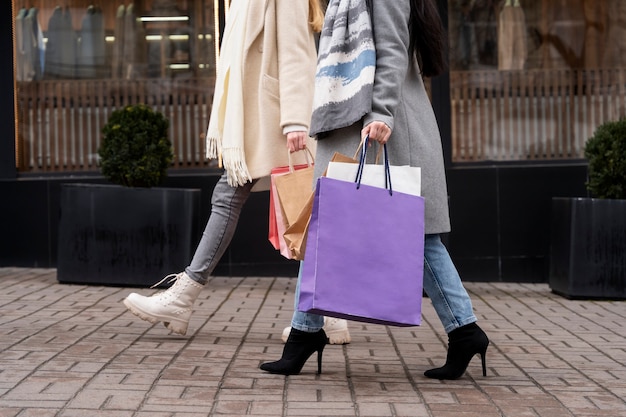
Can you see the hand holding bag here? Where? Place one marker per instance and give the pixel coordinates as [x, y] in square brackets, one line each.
[406, 179]
[365, 252]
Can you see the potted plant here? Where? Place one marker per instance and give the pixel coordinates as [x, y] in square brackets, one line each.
[131, 232]
[588, 236]
[135, 150]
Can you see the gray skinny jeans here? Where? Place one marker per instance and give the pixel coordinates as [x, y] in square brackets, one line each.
[226, 205]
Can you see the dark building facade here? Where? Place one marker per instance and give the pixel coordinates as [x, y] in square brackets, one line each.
[529, 81]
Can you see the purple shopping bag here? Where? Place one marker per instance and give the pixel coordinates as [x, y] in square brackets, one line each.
[365, 254]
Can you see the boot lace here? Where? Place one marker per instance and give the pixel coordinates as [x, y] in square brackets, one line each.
[171, 277]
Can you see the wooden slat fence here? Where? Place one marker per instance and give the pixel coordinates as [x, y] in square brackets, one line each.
[60, 122]
[496, 115]
[531, 115]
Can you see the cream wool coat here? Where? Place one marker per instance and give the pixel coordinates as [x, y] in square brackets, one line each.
[279, 70]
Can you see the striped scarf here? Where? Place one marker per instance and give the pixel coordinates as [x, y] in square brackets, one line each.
[345, 67]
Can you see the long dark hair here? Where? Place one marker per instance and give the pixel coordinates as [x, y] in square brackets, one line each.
[428, 38]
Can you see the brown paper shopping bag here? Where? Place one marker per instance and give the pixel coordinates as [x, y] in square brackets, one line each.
[293, 190]
[295, 234]
[289, 191]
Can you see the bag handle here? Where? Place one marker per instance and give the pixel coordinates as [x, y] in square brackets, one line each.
[356, 153]
[310, 160]
[362, 160]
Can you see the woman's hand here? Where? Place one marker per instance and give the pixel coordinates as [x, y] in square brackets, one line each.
[377, 131]
[296, 141]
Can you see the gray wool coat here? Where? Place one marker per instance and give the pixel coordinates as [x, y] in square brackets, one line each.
[399, 100]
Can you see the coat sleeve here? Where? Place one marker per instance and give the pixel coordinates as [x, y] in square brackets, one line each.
[296, 62]
[391, 35]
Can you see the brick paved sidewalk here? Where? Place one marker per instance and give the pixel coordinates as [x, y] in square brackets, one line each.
[74, 351]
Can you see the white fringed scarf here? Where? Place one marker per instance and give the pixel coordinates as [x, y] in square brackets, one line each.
[346, 67]
[225, 134]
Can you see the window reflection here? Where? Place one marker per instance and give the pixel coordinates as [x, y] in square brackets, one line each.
[78, 60]
[532, 79]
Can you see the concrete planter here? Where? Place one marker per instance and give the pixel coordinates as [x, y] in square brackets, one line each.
[113, 235]
[588, 248]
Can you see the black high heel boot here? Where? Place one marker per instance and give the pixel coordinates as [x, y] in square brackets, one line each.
[463, 344]
[298, 348]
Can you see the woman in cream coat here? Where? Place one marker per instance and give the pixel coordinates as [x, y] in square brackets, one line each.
[261, 111]
[279, 67]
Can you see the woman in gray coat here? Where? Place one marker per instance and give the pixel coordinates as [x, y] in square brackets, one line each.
[394, 43]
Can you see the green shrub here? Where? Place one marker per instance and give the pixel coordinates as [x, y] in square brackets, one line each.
[135, 149]
[606, 152]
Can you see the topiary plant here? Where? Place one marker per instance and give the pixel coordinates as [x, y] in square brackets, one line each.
[606, 152]
[135, 150]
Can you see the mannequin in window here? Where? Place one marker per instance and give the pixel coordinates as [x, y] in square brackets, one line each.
[512, 48]
[596, 22]
[465, 35]
[118, 46]
[615, 52]
[134, 49]
[92, 47]
[61, 46]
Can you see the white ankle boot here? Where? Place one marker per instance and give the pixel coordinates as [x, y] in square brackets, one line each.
[172, 306]
[336, 330]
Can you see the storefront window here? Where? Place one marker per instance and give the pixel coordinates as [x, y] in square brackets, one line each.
[532, 79]
[78, 60]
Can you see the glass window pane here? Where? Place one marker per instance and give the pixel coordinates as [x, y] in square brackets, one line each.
[75, 64]
[532, 79]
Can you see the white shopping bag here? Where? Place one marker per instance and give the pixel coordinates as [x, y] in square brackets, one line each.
[404, 178]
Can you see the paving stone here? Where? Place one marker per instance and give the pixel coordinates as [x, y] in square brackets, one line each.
[74, 351]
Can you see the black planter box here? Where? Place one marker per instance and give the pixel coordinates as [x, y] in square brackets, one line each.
[113, 235]
[588, 248]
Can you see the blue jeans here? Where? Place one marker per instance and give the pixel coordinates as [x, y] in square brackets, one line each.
[442, 283]
[226, 205]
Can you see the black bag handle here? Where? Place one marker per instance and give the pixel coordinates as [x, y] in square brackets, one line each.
[362, 160]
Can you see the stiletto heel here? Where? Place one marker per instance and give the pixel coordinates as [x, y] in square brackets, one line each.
[463, 344]
[298, 348]
[483, 360]
[319, 361]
